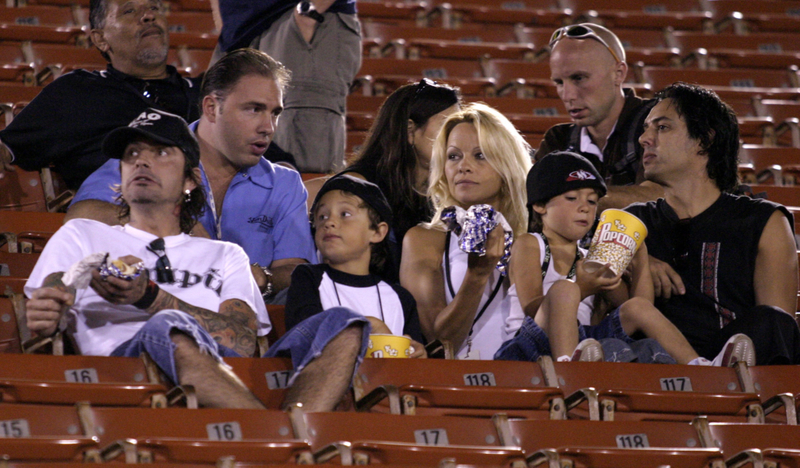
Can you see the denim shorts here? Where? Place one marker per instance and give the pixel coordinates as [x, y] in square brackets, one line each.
[531, 341]
[302, 343]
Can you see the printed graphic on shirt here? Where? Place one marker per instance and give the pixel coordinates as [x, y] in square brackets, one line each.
[184, 279]
[264, 221]
[709, 280]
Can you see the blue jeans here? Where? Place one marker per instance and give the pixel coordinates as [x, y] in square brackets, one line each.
[302, 343]
[531, 341]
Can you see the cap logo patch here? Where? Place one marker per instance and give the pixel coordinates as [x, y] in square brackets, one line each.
[145, 119]
[580, 175]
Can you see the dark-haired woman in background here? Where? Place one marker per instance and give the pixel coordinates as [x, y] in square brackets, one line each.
[397, 154]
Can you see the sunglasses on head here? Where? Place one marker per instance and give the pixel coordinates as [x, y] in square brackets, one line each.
[164, 272]
[577, 31]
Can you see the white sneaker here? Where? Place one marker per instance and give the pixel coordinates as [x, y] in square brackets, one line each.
[738, 348]
[588, 350]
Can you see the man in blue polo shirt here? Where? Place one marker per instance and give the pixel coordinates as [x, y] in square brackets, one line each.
[251, 202]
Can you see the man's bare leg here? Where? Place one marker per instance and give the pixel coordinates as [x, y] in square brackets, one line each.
[323, 382]
[215, 386]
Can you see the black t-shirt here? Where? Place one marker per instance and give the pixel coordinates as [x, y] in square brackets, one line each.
[66, 123]
[315, 288]
[622, 155]
[715, 255]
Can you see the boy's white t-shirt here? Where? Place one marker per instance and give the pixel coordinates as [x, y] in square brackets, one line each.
[207, 273]
[584, 309]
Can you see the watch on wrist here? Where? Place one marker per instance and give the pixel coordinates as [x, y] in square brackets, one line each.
[268, 290]
[306, 8]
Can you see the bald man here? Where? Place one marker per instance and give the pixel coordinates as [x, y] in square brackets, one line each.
[587, 65]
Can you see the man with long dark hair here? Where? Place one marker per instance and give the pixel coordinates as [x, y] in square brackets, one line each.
[722, 264]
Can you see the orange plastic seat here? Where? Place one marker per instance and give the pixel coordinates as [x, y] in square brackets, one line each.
[610, 391]
[360, 438]
[453, 387]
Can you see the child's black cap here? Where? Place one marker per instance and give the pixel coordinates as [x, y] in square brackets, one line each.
[367, 191]
[560, 172]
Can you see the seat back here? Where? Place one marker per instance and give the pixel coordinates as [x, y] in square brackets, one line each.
[267, 378]
[537, 435]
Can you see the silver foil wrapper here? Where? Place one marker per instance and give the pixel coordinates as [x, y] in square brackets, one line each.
[107, 269]
[473, 226]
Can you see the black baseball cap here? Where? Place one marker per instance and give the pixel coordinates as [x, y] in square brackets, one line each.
[560, 172]
[367, 191]
[156, 125]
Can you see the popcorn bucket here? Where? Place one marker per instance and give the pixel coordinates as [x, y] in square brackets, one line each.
[618, 235]
[388, 346]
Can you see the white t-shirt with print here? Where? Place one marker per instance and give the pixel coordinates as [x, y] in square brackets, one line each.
[207, 273]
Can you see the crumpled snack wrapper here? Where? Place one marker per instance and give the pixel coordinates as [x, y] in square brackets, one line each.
[473, 226]
[79, 275]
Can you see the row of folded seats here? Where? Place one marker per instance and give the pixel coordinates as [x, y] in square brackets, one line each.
[411, 412]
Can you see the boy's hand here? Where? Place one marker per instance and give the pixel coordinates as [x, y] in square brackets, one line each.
[593, 282]
[45, 308]
[495, 248]
[417, 349]
[117, 290]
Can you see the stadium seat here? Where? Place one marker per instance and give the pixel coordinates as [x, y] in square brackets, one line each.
[22, 190]
[277, 315]
[647, 6]
[386, 33]
[379, 76]
[533, 435]
[453, 387]
[779, 389]
[52, 60]
[611, 390]
[453, 16]
[45, 449]
[721, 8]
[540, 107]
[761, 444]
[627, 458]
[17, 264]
[615, 19]
[195, 436]
[31, 227]
[787, 196]
[779, 110]
[408, 12]
[361, 438]
[749, 79]
[10, 341]
[267, 378]
[763, 157]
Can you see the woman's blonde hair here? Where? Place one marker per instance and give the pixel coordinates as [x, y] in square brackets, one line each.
[505, 151]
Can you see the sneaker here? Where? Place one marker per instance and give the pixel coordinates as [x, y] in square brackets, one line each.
[738, 348]
[588, 350]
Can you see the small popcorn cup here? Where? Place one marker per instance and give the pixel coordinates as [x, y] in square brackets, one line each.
[615, 241]
[388, 346]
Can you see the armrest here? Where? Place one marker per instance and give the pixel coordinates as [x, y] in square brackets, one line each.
[782, 399]
[377, 395]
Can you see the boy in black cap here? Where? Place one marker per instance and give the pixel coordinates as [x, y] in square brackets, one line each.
[350, 219]
[556, 291]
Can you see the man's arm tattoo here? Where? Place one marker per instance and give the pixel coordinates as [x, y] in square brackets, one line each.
[233, 327]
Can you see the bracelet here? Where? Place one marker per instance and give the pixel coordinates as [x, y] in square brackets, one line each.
[149, 297]
[269, 288]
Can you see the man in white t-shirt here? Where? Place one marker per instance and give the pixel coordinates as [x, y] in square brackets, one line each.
[196, 300]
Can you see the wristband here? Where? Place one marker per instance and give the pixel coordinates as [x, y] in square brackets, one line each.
[149, 297]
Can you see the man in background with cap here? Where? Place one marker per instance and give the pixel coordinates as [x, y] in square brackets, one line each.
[189, 301]
[251, 202]
[587, 65]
